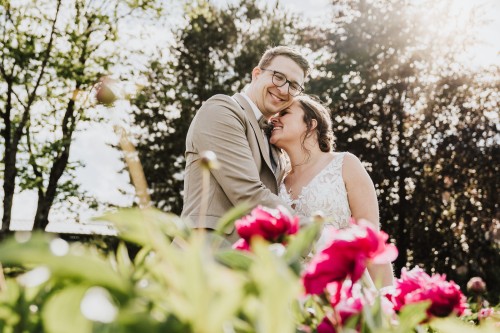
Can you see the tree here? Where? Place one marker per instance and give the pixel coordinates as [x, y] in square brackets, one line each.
[22, 67]
[52, 54]
[213, 53]
[461, 196]
[402, 102]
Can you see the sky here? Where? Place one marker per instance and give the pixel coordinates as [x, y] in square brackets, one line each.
[103, 172]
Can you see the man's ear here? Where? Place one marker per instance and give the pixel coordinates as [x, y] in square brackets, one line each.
[255, 73]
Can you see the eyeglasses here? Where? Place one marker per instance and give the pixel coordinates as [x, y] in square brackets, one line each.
[279, 80]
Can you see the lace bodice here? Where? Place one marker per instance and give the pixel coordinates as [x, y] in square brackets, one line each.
[326, 192]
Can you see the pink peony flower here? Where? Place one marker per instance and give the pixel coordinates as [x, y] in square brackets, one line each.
[485, 313]
[351, 302]
[241, 245]
[347, 300]
[417, 286]
[271, 224]
[347, 256]
[326, 326]
[445, 298]
[409, 282]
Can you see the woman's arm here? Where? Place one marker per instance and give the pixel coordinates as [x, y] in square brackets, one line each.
[364, 205]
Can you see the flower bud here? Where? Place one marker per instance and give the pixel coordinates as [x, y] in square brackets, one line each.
[209, 160]
[476, 285]
[278, 249]
[318, 217]
[105, 94]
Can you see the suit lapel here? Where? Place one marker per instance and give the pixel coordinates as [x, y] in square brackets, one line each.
[255, 126]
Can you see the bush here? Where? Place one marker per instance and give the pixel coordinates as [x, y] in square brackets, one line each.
[192, 285]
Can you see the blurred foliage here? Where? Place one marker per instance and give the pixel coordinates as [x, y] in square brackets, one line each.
[184, 286]
[167, 287]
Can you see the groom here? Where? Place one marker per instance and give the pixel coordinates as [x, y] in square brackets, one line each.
[250, 169]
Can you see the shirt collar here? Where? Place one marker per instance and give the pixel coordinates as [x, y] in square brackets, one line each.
[255, 109]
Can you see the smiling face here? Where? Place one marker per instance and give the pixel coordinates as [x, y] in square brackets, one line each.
[306, 123]
[269, 98]
[289, 127]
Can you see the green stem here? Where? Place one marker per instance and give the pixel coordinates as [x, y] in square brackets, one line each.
[3, 284]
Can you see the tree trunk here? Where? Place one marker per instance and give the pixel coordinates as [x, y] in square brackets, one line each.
[9, 183]
[9, 160]
[42, 212]
[12, 134]
[403, 230]
[45, 200]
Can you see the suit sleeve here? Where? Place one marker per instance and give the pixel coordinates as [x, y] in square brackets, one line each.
[221, 129]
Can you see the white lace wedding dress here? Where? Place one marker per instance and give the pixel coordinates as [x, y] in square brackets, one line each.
[325, 193]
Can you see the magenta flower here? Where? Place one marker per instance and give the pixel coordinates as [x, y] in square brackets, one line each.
[349, 302]
[326, 326]
[347, 256]
[485, 313]
[409, 282]
[274, 225]
[445, 297]
[241, 245]
[417, 286]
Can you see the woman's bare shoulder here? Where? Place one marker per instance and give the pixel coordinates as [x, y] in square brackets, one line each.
[352, 166]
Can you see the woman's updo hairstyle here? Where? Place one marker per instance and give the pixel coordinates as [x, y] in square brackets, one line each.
[314, 109]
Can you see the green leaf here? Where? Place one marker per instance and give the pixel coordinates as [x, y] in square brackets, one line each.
[140, 226]
[11, 293]
[228, 219]
[352, 322]
[234, 259]
[78, 264]
[123, 260]
[278, 288]
[455, 325]
[411, 315]
[61, 313]
[209, 294]
[300, 245]
[373, 315]
[9, 301]
[368, 319]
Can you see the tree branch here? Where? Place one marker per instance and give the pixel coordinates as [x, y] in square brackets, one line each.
[18, 99]
[32, 161]
[6, 118]
[43, 66]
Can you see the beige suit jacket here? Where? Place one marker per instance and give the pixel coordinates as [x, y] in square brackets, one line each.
[228, 127]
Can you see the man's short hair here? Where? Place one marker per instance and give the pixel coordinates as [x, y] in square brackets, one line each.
[288, 52]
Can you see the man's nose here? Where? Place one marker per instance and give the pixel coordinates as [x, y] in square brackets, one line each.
[284, 89]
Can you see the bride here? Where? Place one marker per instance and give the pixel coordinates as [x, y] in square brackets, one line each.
[335, 183]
